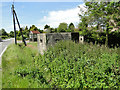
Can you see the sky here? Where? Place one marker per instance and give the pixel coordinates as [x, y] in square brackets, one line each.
[40, 14]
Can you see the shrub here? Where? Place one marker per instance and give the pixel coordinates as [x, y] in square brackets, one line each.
[72, 65]
[4, 37]
[66, 65]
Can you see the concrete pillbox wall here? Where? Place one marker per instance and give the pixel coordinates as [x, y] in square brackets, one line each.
[49, 39]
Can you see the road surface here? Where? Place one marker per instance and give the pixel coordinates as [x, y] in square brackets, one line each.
[3, 46]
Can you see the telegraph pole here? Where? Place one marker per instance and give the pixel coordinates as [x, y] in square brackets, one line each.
[20, 28]
[15, 16]
[14, 24]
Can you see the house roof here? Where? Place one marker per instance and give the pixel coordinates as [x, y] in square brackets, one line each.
[35, 32]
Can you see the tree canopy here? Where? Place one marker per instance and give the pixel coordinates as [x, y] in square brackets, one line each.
[32, 28]
[71, 27]
[46, 26]
[62, 27]
[101, 16]
[4, 33]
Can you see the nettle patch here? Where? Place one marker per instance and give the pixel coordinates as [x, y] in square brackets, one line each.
[30, 73]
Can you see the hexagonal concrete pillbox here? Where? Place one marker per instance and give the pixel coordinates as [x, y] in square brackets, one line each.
[48, 39]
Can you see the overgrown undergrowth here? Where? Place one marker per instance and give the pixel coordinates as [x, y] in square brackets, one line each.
[66, 65]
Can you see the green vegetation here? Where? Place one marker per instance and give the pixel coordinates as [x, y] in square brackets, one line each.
[34, 44]
[13, 58]
[102, 17]
[3, 34]
[98, 24]
[62, 27]
[0, 79]
[66, 65]
[71, 27]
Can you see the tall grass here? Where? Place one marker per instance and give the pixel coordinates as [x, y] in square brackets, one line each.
[0, 79]
[13, 58]
[65, 65]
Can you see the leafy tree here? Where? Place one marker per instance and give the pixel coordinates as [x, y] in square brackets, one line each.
[46, 26]
[0, 32]
[4, 33]
[41, 31]
[18, 33]
[102, 14]
[26, 31]
[71, 27]
[11, 34]
[55, 30]
[33, 28]
[62, 27]
[85, 22]
[51, 30]
[26, 28]
[83, 26]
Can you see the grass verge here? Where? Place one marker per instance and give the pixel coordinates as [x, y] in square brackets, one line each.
[0, 79]
[16, 56]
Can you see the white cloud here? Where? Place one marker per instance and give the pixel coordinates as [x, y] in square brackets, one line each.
[54, 18]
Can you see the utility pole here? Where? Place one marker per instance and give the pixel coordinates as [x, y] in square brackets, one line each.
[14, 24]
[20, 28]
[15, 16]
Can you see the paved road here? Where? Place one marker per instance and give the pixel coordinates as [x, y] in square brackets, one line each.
[3, 46]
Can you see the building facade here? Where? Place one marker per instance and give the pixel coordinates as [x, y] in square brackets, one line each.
[33, 35]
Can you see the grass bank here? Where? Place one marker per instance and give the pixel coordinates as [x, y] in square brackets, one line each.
[15, 57]
[0, 76]
[0, 79]
[66, 65]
